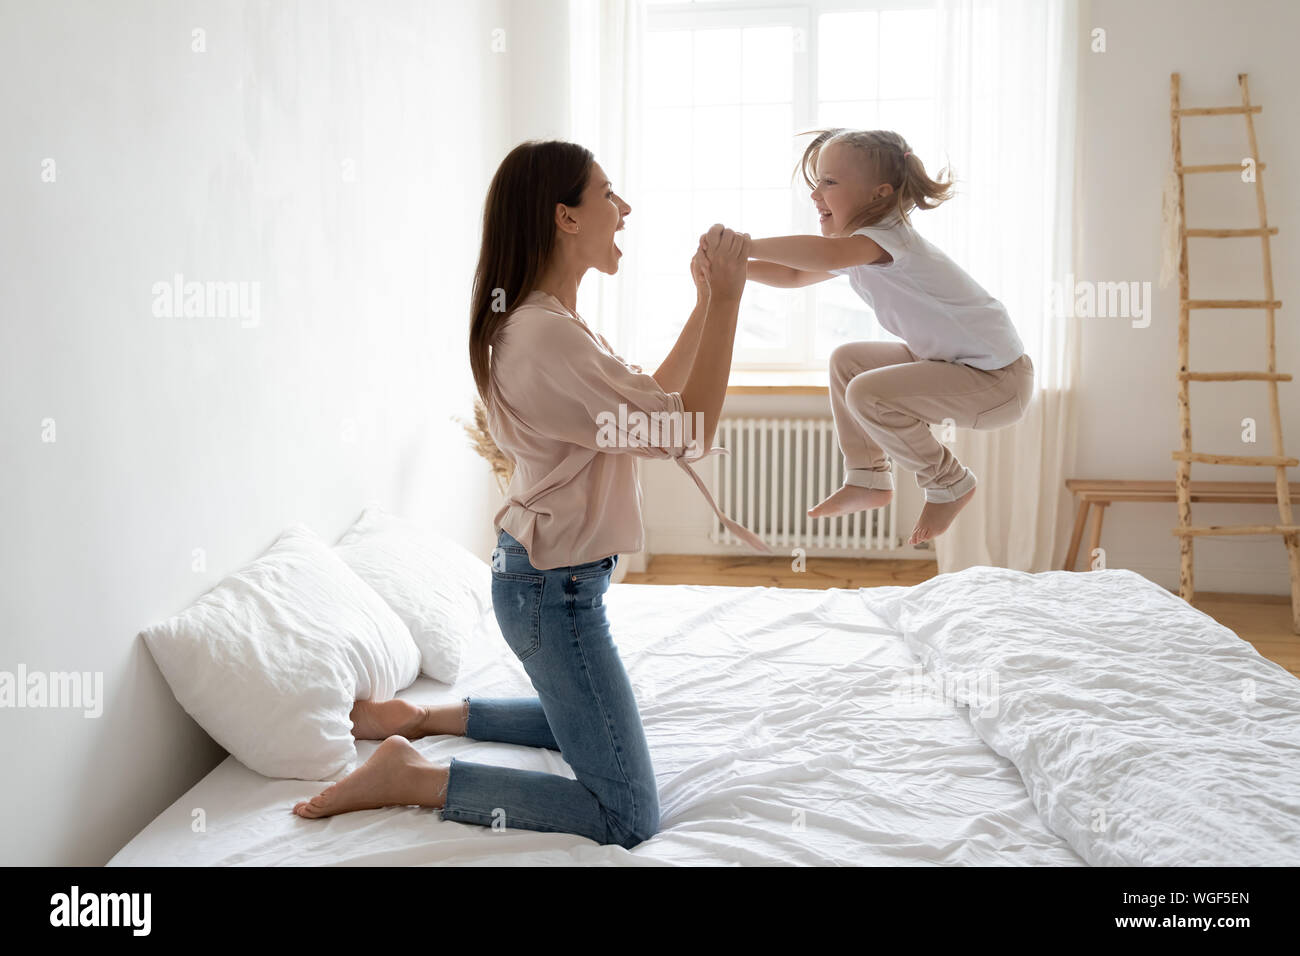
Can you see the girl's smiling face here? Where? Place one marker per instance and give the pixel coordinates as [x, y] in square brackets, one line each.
[844, 187]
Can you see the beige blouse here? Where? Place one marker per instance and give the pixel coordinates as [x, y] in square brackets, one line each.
[563, 410]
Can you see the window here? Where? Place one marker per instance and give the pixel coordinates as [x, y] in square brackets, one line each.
[727, 86]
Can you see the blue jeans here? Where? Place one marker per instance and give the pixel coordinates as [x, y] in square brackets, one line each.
[554, 622]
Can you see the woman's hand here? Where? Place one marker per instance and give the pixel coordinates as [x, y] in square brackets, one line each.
[727, 254]
[700, 273]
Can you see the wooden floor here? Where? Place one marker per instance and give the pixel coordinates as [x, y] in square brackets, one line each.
[1262, 619]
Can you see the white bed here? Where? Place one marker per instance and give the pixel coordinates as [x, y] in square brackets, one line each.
[796, 727]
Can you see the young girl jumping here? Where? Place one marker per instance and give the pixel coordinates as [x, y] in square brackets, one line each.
[960, 358]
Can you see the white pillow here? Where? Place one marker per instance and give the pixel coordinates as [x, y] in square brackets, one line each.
[439, 589]
[271, 660]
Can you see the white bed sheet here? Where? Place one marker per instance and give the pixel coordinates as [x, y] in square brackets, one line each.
[1147, 733]
[786, 727]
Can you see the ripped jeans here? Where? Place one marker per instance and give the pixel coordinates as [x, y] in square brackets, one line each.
[554, 622]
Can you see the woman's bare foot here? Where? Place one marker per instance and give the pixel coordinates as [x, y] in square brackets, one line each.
[936, 516]
[395, 775]
[849, 499]
[378, 720]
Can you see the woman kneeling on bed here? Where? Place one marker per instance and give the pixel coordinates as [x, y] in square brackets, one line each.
[563, 405]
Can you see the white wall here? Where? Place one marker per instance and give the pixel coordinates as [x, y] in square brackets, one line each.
[1128, 422]
[176, 434]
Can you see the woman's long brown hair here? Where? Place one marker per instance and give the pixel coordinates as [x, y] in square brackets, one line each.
[519, 237]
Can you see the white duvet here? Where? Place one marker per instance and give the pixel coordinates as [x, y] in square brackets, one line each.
[1146, 732]
[786, 727]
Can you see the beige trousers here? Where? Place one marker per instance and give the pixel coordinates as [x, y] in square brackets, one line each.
[884, 400]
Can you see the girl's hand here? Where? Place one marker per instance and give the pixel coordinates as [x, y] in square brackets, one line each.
[700, 273]
[744, 236]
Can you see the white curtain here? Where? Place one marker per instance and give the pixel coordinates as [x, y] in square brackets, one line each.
[605, 39]
[1007, 115]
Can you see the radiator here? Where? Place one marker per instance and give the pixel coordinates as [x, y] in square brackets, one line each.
[778, 468]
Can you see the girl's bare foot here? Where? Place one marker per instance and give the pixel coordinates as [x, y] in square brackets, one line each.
[849, 499]
[378, 720]
[936, 516]
[395, 775]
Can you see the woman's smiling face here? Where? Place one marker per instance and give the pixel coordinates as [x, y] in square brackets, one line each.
[599, 217]
[843, 188]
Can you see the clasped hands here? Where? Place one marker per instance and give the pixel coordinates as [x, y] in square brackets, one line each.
[720, 264]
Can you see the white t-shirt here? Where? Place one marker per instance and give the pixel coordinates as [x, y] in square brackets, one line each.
[931, 303]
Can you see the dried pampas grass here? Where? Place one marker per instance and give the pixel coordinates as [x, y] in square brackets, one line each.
[481, 441]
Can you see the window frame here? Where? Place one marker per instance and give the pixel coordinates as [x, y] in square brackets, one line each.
[804, 19]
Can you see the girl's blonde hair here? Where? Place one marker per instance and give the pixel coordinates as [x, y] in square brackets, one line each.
[890, 160]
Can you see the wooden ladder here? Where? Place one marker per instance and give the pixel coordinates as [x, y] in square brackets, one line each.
[1278, 461]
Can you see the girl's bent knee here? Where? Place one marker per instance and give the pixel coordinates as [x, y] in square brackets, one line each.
[840, 357]
[861, 393]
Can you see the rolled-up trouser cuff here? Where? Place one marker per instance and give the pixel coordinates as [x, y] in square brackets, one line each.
[867, 478]
[954, 491]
